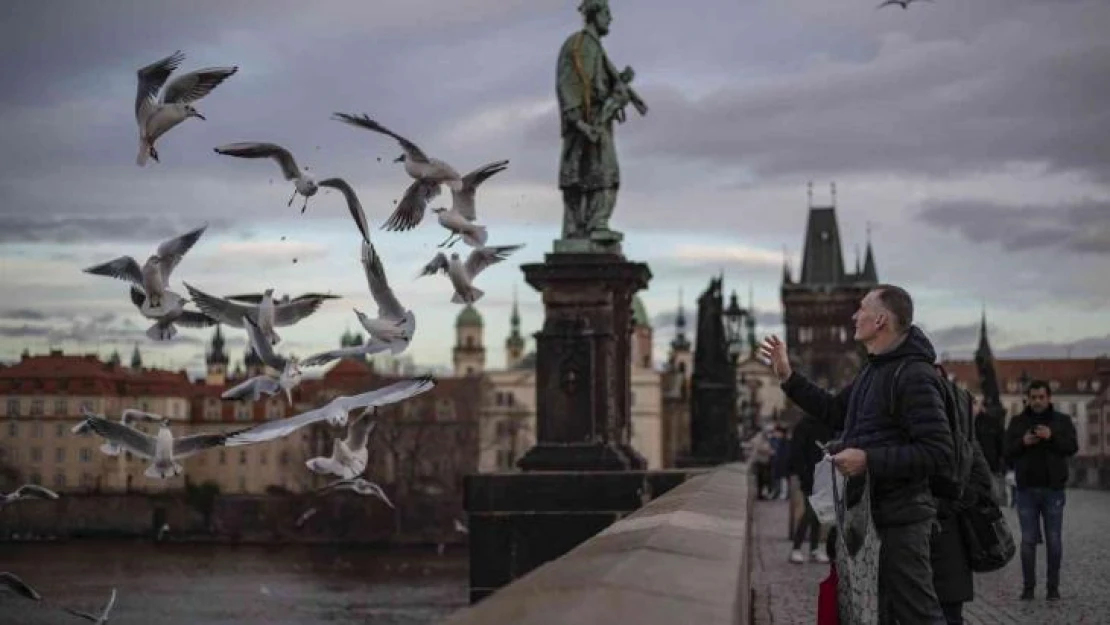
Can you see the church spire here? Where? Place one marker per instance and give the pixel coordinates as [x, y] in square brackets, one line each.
[514, 345]
[869, 272]
[136, 358]
[680, 342]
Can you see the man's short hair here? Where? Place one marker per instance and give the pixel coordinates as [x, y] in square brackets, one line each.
[898, 301]
[589, 7]
[1036, 384]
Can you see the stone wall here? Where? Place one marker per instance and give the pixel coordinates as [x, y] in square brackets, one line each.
[685, 557]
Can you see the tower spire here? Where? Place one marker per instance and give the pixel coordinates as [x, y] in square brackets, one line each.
[832, 187]
[809, 194]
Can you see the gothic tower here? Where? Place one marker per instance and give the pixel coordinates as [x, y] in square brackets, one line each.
[469, 354]
[818, 306]
[514, 345]
[216, 360]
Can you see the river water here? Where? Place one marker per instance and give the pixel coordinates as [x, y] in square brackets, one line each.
[186, 584]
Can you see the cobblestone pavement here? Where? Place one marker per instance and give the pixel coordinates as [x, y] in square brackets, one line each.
[787, 593]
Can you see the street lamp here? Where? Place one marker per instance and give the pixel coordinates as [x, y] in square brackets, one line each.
[734, 327]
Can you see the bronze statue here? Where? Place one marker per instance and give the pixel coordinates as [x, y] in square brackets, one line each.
[592, 94]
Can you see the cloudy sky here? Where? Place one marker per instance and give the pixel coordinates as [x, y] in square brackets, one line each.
[970, 135]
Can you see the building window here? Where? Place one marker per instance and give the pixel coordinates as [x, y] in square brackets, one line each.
[242, 484]
[88, 405]
[262, 457]
[59, 430]
[223, 457]
[36, 429]
[470, 371]
[469, 342]
[243, 456]
[36, 478]
[13, 429]
[1092, 418]
[13, 407]
[59, 480]
[243, 411]
[1081, 385]
[86, 454]
[36, 454]
[61, 407]
[60, 454]
[283, 459]
[1092, 440]
[36, 407]
[86, 480]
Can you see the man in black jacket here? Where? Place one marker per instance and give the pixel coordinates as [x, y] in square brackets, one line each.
[990, 433]
[1039, 442]
[900, 448]
[804, 456]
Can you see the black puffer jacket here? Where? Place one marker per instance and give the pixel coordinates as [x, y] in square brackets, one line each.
[804, 452]
[1045, 463]
[953, 578]
[903, 449]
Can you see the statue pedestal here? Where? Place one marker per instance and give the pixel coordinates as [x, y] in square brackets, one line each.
[583, 380]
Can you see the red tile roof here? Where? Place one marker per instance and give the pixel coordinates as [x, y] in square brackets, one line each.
[1073, 375]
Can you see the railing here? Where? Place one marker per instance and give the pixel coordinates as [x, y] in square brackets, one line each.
[683, 558]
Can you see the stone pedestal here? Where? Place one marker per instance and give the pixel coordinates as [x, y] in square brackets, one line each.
[583, 380]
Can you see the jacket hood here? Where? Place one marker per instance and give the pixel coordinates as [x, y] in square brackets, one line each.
[916, 346]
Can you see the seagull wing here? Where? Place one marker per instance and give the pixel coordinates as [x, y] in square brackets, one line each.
[254, 298]
[196, 84]
[13, 581]
[358, 432]
[439, 263]
[261, 346]
[188, 445]
[129, 438]
[124, 268]
[272, 430]
[410, 211]
[152, 77]
[353, 204]
[131, 414]
[252, 149]
[463, 200]
[138, 296]
[173, 250]
[253, 388]
[388, 306]
[288, 313]
[35, 491]
[483, 257]
[396, 392]
[372, 346]
[219, 308]
[319, 296]
[336, 485]
[194, 319]
[363, 121]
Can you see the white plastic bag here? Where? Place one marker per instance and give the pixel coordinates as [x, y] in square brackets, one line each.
[823, 498]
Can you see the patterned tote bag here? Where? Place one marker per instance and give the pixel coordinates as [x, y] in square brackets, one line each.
[857, 558]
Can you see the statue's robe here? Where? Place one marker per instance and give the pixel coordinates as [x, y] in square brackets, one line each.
[584, 81]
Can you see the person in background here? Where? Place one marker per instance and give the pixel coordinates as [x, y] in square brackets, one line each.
[804, 456]
[780, 464]
[1039, 442]
[990, 433]
[761, 459]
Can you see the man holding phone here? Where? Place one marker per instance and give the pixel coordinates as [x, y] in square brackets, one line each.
[1039, 442]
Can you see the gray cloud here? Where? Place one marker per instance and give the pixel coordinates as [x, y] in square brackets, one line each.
[23, 314]
[16, 228]
[1077, 228]
[763, 319]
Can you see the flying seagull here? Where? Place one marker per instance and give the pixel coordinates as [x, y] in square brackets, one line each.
[905, 4]
[394, 324]
[334, 412]
[98, 620]
[154, 275]
[349, 454]
[459, 219]
[428, 174]
[289, 369]
[163, 450]
[462, 275]
[109, 448]
[27, 491]
[14, 583]
[175, 313]
[358, 485]
[256, 298]
[353, 205]
[303, 182]
[156, 118]
[267, 313]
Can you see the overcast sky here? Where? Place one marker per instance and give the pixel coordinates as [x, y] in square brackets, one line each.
[971, 135]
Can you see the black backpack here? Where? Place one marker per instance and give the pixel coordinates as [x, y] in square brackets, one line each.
[957, 406]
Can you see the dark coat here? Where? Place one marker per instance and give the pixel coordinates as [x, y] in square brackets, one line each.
[1044, 464]
[904, 449]
[804, 453]
[952, 575]
[991, 436]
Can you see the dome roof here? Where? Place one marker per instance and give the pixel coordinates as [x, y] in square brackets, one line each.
[469, 317]
[639, 313]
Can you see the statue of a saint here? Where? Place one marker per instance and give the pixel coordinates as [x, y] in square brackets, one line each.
[592, 94]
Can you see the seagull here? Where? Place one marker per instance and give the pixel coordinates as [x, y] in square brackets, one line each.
[157, 118]
[20, 587]
[353, 204]
[303, 182]
[459, 219]
[358, 485]
[256, 298]
[905, 4]
[394, 325]
[154, 275]
[173, 313]
[163, 450]
[98, 620]
[109, 448]
[462, 275]
[348, 455]
[461, 528]
[301, 520]
[27, 491]
[289, 368]
[267, 314]
[428, 174]
[334, 412]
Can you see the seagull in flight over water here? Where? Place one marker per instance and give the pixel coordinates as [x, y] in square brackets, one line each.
[156, 118]
[349, 455]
